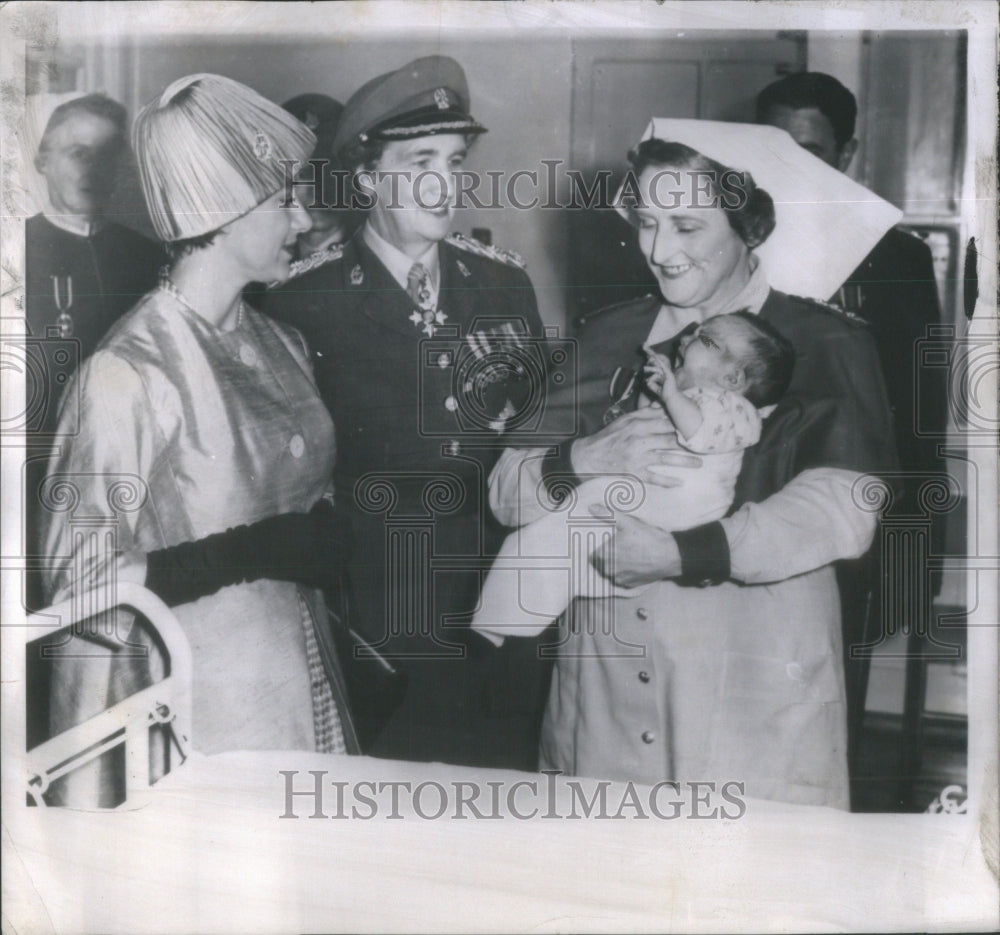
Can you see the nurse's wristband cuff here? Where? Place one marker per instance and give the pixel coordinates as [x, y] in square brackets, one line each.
[704, 555]
[557, 471]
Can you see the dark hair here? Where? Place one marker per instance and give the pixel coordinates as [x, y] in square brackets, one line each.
[813, 89]
[361, 156]
[98, 105]
[752, 217]
[322, 115]
[364, 155]
[179, 248]
[769, 366]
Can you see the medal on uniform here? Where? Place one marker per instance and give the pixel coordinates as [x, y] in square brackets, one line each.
[429, 318]
[418, 288]
[64, 301]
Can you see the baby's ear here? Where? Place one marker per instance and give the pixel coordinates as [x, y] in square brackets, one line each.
[735, 379]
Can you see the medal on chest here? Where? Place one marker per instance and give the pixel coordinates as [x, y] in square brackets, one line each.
[426, 316]
[428, 320]
[62, 291]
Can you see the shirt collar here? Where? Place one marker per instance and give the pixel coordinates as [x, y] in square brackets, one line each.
[753, 294]
[398, 263]
[73, 224]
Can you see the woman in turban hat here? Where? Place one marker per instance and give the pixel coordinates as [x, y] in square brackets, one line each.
[196, 432]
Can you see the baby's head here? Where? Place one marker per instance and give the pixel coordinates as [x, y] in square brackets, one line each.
[738, 352]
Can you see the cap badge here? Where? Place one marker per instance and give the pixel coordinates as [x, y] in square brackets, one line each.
[311, 121]
[357, 275]
[261, 146]
[441, 98]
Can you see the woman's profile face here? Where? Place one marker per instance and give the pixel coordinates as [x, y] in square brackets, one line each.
[687, 240]
[263, 242]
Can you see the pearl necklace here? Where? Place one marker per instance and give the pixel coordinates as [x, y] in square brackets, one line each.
[167, 285]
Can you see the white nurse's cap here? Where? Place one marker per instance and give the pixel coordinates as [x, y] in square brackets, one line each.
[826, 224]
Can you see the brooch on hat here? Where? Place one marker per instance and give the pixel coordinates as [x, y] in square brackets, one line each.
[261, 146]
[441, 98]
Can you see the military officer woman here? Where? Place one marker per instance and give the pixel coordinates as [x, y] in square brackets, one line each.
[416, 336]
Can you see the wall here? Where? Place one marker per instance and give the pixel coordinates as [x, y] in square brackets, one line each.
[523, 90]
[841, 54]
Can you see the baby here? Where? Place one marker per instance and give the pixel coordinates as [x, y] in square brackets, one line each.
[723, 374]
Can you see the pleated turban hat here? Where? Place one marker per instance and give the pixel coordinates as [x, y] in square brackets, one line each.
[210, 150]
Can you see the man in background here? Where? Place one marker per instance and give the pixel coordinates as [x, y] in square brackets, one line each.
[333, 220]
[893, 289]
[82, 273]
[82, 270]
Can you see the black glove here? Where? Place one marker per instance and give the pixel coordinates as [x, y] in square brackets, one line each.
[307, 548]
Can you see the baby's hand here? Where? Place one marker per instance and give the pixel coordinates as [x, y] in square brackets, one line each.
[658, 372]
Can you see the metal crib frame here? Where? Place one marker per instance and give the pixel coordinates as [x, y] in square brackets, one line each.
[168, 702]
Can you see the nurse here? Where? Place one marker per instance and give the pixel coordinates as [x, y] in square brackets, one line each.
[728, 666]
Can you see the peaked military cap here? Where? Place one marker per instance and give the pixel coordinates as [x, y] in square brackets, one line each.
[427, 97]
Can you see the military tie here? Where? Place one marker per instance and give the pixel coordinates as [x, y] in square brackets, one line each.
[418, 286]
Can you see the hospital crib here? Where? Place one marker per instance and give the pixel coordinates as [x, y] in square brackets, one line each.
[164, 707]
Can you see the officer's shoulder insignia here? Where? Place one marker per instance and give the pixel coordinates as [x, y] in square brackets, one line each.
[837, 311]
[471, 245]
[609, 310]
[315, 260]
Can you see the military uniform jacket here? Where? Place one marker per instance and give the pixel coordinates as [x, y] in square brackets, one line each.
[894, 290]
[418, 428]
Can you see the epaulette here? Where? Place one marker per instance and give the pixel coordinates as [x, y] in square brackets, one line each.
[315, 260]
[844, 314]
[605, 309]
[508, 257]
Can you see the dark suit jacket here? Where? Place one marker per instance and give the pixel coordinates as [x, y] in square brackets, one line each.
[415, 444]
[110, 272]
